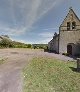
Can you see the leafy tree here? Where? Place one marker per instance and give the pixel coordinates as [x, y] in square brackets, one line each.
[29, 46]
[6, 43]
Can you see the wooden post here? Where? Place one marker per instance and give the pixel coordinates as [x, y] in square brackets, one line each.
[78, 64]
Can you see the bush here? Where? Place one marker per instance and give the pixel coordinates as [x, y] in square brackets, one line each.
[66, 54]
[29, 46]
[6, 43]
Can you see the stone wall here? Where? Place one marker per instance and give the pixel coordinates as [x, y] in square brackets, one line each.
[53, 44]
[67, 37]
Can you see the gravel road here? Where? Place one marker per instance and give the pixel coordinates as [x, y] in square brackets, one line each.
[15, 60]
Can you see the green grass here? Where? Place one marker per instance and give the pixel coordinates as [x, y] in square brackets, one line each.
[1, 61]
[50, 75]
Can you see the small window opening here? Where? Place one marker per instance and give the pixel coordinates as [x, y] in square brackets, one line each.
[73, 25]
[68, 25]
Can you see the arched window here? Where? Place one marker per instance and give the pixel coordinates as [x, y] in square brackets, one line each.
[73, 25]
[68, 25]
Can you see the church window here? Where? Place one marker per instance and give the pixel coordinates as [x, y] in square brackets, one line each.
[68, 25]
[73, 25]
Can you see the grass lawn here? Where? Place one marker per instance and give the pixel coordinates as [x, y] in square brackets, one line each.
[50, 75]
[1, 61]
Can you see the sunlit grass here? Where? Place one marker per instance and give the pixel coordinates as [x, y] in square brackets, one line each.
[1, 61]
[50, 75]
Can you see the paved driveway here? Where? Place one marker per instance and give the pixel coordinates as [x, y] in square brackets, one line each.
[15, 60]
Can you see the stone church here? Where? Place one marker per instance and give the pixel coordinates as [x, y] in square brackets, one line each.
[69, 36]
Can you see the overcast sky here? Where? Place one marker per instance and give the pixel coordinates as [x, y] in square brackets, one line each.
[34, 21]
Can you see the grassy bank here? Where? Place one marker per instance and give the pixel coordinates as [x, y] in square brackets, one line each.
[50, 75]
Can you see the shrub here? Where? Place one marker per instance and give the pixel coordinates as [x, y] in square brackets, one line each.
[66, 54]
[29, 46]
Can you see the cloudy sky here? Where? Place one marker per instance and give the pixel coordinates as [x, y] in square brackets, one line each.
[34, 21]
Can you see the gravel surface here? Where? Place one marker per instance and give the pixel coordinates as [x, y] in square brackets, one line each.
[15, 60]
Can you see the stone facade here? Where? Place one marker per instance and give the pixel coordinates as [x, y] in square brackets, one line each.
[53, 44]
[69, 35]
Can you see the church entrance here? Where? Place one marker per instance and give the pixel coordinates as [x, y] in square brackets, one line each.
[69, 49]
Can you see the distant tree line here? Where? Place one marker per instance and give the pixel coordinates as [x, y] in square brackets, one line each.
[40, 46]
[7, 43]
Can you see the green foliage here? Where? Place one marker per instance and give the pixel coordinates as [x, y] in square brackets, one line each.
[2, 60]
[50, 75]
[6, 43]
[39, 46]
[66, 54]
[29, 46]
[17, 44]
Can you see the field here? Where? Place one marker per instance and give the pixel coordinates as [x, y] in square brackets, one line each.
[51, 75]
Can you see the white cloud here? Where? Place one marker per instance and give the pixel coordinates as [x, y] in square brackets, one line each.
[12, 11]
[47, 34]
[23, 41]
[13, 31]
[44, 41]
[47, 6]
[51, 28]
[24, 13]
[30, 11]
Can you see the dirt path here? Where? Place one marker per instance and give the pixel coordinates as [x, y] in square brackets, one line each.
[10, 79]
[16, 59]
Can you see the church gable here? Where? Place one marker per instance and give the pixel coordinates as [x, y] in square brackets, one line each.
[71, 22]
